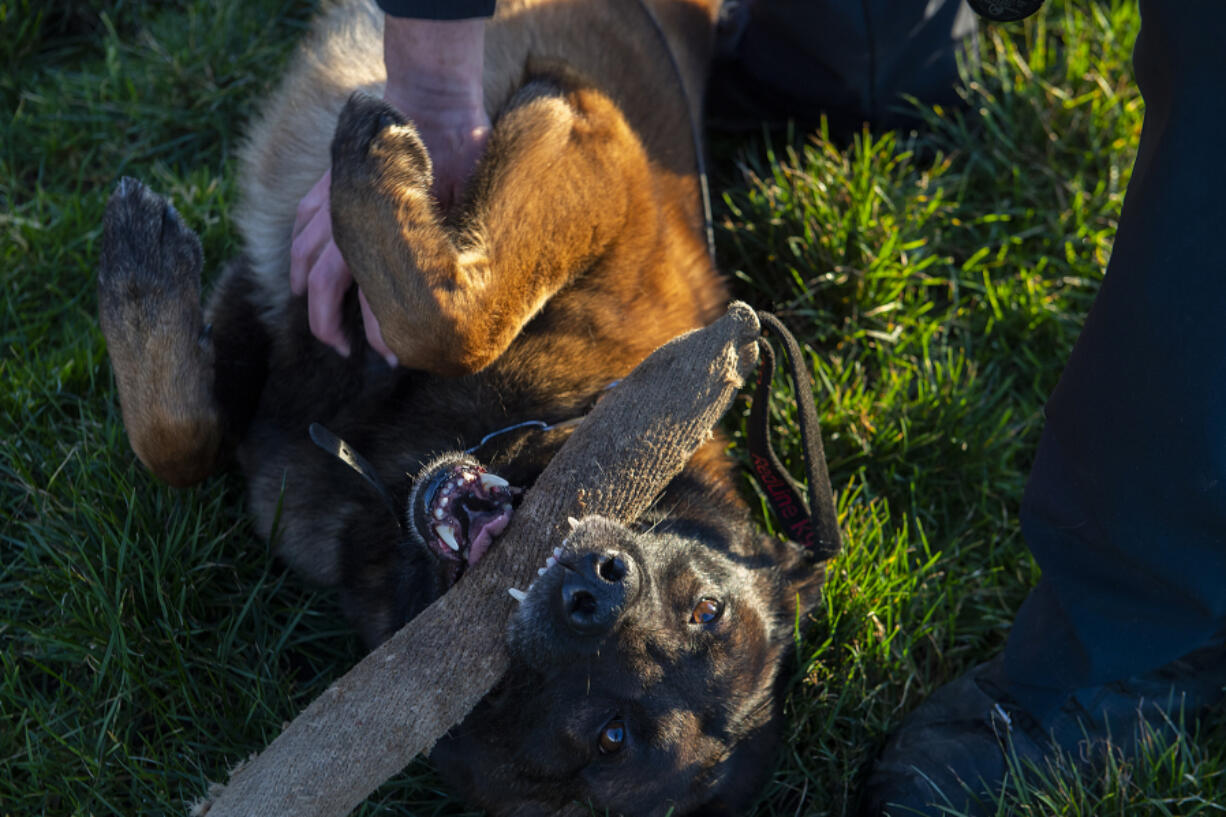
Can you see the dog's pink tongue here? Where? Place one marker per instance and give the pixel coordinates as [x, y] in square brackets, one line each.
[486, 530]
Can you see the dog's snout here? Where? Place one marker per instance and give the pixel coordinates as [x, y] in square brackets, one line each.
[593, 593]
[593, 588]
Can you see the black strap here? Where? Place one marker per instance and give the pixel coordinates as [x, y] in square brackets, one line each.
[815, 526]
[344, 452]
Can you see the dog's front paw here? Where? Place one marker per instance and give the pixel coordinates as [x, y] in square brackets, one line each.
[380, 194]
[389, 229]
[376, 149]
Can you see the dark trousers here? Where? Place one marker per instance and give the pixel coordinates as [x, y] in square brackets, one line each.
[852, 61]
[1125, 509]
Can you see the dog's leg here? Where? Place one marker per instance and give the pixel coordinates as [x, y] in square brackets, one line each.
[555, 191]
[163, 354]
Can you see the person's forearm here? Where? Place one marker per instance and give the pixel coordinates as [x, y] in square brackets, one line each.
[434, 65]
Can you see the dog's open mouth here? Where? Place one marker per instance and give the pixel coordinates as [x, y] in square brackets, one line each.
[458, 508]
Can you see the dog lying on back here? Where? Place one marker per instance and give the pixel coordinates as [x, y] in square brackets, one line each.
[646, 661]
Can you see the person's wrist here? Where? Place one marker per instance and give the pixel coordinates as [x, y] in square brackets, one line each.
[434, 102]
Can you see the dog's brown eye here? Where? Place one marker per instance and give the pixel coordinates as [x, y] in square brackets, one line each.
[612, 736]
[706, 611]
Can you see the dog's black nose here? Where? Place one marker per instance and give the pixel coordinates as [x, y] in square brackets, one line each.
[593, 593]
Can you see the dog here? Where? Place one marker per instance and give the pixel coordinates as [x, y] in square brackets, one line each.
[646, 661]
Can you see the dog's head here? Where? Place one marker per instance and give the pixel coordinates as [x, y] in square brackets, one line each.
[645, 677]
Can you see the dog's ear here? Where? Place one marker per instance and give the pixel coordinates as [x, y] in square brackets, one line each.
[801, 575]
[742, 774]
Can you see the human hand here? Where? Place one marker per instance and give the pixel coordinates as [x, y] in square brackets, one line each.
[434, 71]
[317, 270]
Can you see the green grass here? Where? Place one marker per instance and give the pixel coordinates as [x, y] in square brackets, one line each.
[938, 282]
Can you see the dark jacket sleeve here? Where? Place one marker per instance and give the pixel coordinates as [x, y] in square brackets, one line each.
[438, 9]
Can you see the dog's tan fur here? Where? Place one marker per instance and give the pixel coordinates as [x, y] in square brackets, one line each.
[613, 44]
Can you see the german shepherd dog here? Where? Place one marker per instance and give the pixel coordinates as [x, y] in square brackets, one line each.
[646, 661]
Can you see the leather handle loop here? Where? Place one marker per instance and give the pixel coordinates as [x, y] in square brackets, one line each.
[813, 524]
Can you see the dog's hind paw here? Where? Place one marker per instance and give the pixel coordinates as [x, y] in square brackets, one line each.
[149, 271]
[149, 309]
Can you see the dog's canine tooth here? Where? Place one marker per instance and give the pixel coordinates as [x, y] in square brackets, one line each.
[447, 534]
[517, 594]
[574, 523]
[541, 571]
[557, 553]
[439, 513]
[491, 481]
[550, 562]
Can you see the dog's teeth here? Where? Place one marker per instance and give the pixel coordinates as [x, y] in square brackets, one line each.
[491, 481]
[550, 562]
[557, 553]
[574, 523]
[517, 594]
[438, 513]
[447, 534]
[541, 571]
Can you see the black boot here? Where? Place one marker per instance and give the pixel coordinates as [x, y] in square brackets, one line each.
[953, 752]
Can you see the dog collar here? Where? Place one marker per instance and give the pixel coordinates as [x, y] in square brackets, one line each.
[541, 425]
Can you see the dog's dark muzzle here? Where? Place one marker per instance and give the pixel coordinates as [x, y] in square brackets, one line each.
[594, 591]
[457, 509]
[581, 597]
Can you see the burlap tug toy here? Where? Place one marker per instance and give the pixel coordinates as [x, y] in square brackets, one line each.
[400, 699]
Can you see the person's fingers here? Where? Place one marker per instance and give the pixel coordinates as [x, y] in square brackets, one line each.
[374, 335]
[315, 199]
[458, 166]
[454, 153]
[307, 248]
[312, 232]
[326, 287]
